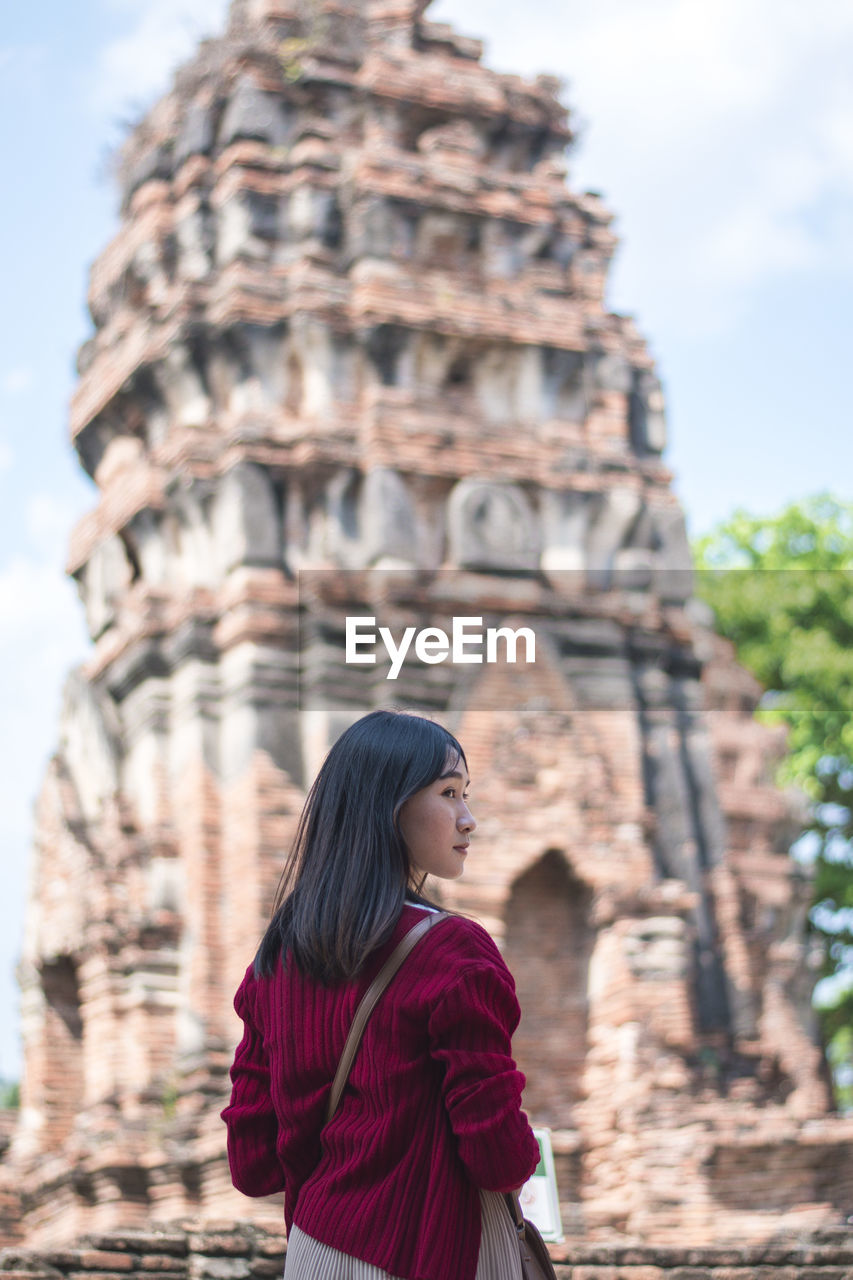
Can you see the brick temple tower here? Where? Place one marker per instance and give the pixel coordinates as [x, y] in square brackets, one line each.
[353, 321]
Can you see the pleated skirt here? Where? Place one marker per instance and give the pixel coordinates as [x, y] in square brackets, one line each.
[308, 1259]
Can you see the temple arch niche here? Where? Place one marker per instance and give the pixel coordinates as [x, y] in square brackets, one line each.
[62, 1046]
[549, 940]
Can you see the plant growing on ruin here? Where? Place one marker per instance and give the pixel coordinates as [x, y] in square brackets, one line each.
[10, 1095]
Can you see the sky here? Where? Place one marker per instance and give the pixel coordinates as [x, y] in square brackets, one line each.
[720, 135]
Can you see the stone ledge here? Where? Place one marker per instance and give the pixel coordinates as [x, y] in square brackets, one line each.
[192, 1251]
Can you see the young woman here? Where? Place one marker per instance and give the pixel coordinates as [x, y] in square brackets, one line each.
[405, 1180]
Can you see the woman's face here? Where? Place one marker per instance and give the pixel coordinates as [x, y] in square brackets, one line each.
[436, 825]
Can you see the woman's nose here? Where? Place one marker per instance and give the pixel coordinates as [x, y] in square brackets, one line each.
[466, 821]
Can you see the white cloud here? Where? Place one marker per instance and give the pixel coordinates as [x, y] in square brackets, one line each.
[42, 634]
[16, 381]
[722, 135]
[48, 524]
[156, 36]
[736, 131]
[753, 242]
[677, 63]
[37, 604]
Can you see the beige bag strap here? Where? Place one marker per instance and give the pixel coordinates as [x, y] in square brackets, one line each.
[514, 1203]
[536, 1262]
[368, 1002]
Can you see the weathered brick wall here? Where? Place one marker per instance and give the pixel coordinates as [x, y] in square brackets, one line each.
[248, 1253]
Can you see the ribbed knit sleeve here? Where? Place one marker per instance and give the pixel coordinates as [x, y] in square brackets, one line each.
[250, 1116]
[470, 1033]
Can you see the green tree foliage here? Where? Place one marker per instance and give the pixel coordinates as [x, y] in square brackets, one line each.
[10, 1095]
[781, 588]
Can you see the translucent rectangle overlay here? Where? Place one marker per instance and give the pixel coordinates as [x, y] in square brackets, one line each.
[454, 639]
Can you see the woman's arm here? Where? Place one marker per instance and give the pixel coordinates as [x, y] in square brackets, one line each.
[470, 1035]
[250, 1116]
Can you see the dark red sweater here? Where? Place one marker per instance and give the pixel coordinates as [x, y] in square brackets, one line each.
[431, 1113]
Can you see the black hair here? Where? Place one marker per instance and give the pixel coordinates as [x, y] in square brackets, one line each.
[348, 873]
